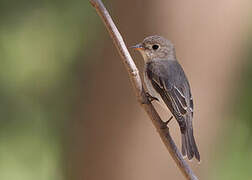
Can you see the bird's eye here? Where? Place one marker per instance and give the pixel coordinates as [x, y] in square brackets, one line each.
[155, 47]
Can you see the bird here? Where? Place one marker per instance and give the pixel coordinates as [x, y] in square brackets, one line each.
[167, 83]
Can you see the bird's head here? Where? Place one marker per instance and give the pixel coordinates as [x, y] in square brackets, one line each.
[155, 47]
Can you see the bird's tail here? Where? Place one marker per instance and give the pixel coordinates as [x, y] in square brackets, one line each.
[189, 147]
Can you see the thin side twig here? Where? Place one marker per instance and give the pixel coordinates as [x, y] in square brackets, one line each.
[139, 90]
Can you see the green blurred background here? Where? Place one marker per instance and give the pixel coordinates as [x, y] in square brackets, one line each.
[62, 119]
[42, 45]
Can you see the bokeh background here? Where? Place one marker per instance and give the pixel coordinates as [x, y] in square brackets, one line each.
[67, 111]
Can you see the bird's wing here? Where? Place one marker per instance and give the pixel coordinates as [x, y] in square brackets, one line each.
[170, 82]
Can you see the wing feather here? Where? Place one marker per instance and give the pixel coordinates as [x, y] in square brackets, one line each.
[174, 94]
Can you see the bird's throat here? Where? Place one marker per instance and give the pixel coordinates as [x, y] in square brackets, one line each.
[145, 57]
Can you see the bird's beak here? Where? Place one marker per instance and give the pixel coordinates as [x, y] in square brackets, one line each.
[138, 47]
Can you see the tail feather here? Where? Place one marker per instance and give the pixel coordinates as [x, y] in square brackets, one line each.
[184, 152]
[189, 147]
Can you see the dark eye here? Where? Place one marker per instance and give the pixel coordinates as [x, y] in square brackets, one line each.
[155, 47]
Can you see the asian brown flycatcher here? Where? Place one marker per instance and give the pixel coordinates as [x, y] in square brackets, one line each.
[166, 82]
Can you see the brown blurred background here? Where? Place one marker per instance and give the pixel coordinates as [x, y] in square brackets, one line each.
[68, 110]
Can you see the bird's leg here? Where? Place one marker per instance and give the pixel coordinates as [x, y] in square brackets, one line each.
[151, 98]
[166, 123]
[164, 126]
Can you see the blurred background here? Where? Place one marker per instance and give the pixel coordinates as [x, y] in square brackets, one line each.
[67, 110]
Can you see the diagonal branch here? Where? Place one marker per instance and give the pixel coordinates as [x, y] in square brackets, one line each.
[139, 91]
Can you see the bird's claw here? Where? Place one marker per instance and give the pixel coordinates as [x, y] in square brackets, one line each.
[164, 126]
[151, 98]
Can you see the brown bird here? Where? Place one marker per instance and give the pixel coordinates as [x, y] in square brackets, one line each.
[166, 82]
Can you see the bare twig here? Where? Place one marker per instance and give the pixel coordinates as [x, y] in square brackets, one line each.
[140, 93]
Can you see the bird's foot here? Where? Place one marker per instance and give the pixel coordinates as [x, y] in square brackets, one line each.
[151, 98]
[164, 126]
